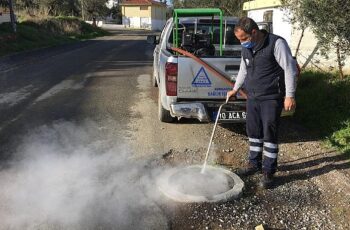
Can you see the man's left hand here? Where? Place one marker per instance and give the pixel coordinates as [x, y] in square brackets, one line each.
[289, 103]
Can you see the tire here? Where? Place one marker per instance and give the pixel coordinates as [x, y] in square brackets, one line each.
[163, 114]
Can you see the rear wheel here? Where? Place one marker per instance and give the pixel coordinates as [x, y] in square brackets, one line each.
[163, 114]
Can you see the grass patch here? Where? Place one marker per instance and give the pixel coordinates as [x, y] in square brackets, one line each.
[341, 138]
[32, 34]
[323, 103]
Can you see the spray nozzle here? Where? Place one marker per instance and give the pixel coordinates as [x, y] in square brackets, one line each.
[227, 98]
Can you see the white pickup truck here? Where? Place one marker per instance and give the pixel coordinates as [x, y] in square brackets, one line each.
[187, 88]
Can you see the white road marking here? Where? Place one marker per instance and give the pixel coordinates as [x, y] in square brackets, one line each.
[64, 85]
[13, 98]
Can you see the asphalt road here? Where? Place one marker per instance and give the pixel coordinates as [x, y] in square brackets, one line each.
[73, 120]
[75, 137]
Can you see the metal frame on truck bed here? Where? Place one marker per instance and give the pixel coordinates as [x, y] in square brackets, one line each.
[195, 13]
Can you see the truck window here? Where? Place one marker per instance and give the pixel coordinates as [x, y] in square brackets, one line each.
[229, 39]
[203, 39]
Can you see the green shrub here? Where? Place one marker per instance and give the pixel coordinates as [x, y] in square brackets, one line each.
[341, 138]
[44, 32]
[5, 28]
[323, 105]
[323, 102]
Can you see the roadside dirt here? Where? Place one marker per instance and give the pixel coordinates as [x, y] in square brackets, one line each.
[312, 189]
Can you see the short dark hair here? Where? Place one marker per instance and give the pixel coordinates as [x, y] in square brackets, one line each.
[247, 25]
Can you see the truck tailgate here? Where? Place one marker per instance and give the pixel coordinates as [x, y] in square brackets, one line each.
[196, 82]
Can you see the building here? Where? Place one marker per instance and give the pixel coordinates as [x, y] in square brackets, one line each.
[4, 14]
[146, 14]
[270, 12]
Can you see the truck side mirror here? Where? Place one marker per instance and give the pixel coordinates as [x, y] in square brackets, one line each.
[152, 39]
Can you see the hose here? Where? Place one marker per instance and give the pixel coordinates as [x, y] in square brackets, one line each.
[212, 136]
[213, 70]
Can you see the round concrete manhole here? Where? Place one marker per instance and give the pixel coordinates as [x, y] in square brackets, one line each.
[188, 184]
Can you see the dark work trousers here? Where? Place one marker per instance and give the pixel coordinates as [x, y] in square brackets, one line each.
[263, 118]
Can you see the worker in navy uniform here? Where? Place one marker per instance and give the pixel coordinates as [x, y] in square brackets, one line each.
[268, 74]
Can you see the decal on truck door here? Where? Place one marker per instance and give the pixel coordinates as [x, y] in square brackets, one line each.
[219, 92]
[201, 79]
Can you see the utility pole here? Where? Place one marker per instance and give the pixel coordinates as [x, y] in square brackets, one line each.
[82, 10]
[12, 16]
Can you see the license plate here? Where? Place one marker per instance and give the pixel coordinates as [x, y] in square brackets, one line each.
[232, 115]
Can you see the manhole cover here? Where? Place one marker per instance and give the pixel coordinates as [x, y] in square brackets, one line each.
[188, 184]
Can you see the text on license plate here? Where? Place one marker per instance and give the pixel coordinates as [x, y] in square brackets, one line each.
[232, 115]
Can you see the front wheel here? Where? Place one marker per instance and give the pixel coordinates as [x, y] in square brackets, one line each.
[163, 114]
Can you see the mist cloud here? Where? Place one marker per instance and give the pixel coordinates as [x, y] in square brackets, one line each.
[68, 176]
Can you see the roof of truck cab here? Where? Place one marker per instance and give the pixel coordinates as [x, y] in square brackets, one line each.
[194, 12]
[195, 19]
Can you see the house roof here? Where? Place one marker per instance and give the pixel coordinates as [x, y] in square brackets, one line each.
[141, 3]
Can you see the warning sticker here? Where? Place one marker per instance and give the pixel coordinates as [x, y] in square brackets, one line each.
[201, 79]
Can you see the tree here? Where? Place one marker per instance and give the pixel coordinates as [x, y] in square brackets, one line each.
[329, 21]
[12, 15]
[4, 3]
[70, 7]
[84, 8]
[52, 7]
[296, 18]
[94, 8]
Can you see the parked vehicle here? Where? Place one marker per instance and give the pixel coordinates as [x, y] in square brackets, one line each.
[191, 89]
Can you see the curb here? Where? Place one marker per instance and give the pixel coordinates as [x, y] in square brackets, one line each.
[168, 190]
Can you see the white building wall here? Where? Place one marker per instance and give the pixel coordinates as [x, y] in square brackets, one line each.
[132, 22]
[126, 21]
[138, 22]
[146, 23]
[158, 24]
[280, 24]
[311, 54]
[5, 18]
[135, 22]
[307, 52]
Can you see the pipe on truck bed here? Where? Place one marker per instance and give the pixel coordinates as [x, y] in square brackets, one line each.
[212, 69]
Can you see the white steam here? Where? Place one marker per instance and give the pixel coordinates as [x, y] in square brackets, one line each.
[73, 177]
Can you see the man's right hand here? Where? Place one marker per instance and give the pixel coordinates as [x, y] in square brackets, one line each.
[230, 94]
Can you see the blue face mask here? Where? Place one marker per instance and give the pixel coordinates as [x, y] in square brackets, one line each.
[248, 44]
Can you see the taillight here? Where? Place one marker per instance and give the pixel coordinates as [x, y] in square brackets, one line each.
[171, 79]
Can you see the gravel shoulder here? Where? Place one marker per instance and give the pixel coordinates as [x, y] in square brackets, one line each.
[312, 190]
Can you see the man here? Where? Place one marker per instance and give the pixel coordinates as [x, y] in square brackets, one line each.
[268, 72]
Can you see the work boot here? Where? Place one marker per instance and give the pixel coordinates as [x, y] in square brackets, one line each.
[249, 170]
[267, 180]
